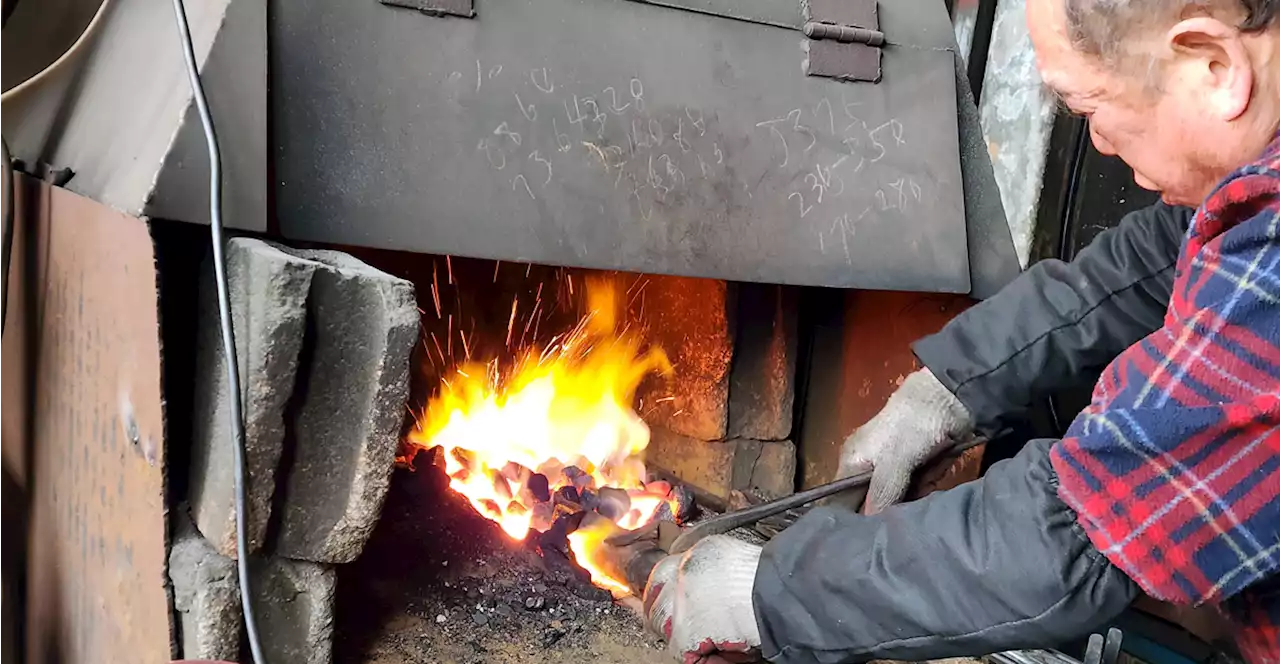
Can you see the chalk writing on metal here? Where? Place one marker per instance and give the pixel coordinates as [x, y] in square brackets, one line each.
[545, 85]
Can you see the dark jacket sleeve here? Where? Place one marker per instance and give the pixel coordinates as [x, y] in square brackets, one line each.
[992, 565]
[1058, 324]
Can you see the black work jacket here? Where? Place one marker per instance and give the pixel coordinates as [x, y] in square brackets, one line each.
[999, 563]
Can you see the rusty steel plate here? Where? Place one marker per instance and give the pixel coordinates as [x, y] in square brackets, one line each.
[96, 577]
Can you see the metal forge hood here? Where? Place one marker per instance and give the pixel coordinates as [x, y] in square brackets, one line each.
[704, 138]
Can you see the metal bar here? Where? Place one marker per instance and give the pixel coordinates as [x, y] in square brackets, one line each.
[732, 520]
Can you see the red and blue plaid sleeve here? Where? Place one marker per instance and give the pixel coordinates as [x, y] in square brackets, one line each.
[1174, 468]
[1256, 614]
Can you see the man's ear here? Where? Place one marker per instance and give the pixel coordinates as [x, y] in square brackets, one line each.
[1215, 62]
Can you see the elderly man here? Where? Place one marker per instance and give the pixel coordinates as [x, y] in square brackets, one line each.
[1167, 483]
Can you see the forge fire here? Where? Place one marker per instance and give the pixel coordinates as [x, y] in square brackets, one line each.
[554, 433]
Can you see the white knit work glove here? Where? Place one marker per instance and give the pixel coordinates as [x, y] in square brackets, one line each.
[700, 602]
[921, 419]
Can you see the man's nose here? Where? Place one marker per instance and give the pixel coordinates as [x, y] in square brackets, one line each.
[1103, 145]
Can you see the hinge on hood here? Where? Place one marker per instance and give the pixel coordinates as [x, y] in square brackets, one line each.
[844, 39]
[463, 8]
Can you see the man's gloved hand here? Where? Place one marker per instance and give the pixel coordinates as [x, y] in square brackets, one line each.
[920, 420]
[700, 601]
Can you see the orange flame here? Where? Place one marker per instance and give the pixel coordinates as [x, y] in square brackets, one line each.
[569, 404]
[585, 543]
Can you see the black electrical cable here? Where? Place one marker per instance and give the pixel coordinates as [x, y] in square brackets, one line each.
[8, 232]
[228, 334]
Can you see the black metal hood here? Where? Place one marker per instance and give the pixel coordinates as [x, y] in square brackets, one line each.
[702, 138]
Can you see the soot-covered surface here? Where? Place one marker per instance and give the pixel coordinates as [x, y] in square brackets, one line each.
[438, 583]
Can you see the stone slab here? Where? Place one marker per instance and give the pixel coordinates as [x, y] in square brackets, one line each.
[690, 319]
[206, 596]
[762, 380]
[707, 467]
[268, 296]
[774, 473]
[293, 602]
[362, 326]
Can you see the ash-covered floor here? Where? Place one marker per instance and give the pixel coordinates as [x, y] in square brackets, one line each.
[439, 584]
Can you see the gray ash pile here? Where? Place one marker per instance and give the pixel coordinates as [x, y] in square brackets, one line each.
[439, 583]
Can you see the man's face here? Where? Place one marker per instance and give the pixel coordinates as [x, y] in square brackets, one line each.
[1162, 135]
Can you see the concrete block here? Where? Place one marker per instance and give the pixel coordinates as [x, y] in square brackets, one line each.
[774, 473]
[293, 601]
[707, 467]
[268, 297]
[690, 319]
[762, 380]
[362, 326]
[206, 595]
[716, 468]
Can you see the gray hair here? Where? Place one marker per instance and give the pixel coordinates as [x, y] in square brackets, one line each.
[1106, 28]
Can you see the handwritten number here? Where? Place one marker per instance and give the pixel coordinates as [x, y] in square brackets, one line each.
[637, 93]
[771, 124]
[803, 210]
[902, 197]
[635, 135]
[699, 123]
[572, 120]
[546, 85]
[530, 113]
[503, 130]
[884, 203]
[617, 152]
[536, 156]
[562, 140]
[816, 185]
[794, 116]
[597, 116]
[679, 136]
[673, 171]
[613, 101]
[655, 137]
[488, 153]
[521, 180]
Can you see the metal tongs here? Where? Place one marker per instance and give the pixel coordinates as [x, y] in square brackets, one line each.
[744, 517]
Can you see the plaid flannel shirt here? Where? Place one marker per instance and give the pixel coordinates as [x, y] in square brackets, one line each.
[1174, 468]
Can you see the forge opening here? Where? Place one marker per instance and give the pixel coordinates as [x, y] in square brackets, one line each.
[539, 396]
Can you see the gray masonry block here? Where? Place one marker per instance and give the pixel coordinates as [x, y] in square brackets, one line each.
[293, 602]
[268, 295]
[206, 595]
[774, 472]
[716, 468]
[362, 327]
[762, 381]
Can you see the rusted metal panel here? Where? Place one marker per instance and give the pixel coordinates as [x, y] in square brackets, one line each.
[860, 355]
[96, 585]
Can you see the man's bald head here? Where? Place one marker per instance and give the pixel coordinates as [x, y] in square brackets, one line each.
[1184, 91]
[1118, 31]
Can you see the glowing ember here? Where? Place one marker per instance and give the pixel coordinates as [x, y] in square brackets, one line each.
[568, 405]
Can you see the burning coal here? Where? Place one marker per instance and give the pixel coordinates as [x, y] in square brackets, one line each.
[556, 434]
